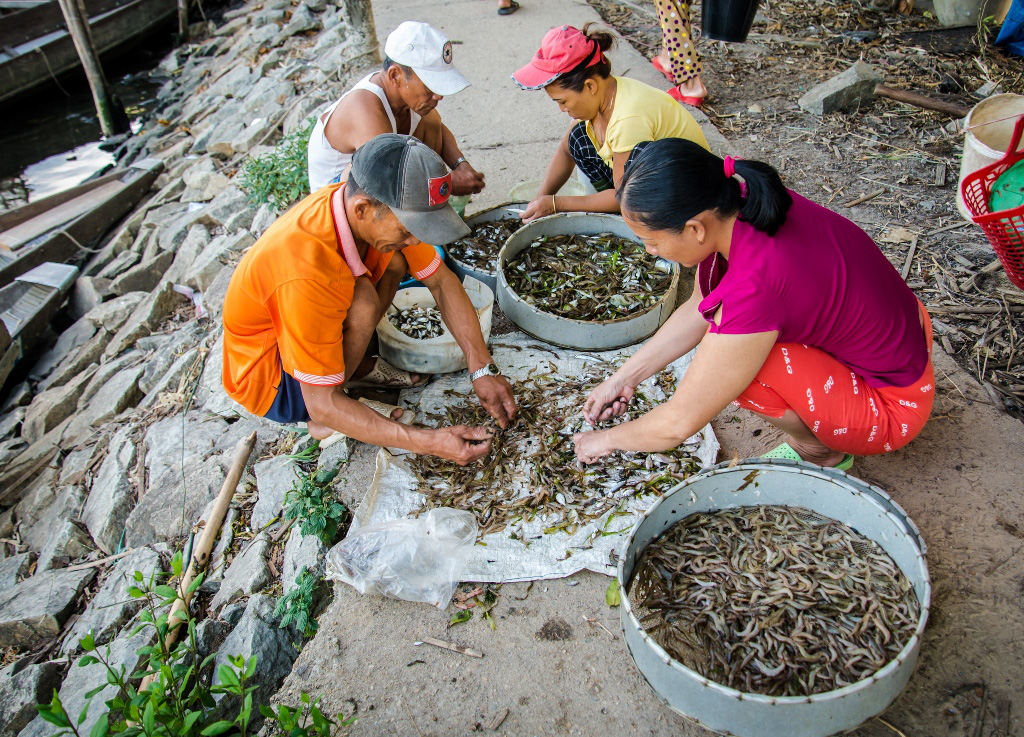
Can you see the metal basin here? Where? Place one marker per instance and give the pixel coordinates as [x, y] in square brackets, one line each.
[579, 334]
[499, 212]
[832, 493]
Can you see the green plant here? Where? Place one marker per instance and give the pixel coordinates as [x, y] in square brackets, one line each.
[279, 177]
[295, 722]
[297, 604]
[179, 701]
[311, 501]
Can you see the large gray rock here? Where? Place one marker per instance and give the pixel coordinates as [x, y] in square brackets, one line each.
[171, 506]
[36, 608]
[10, 423]
[248, 573]
[21, 691]
[197, 239]
[206, 266]
[302, 551]
[203, 182]
[147, 316]
[274, 477]
[117, 394]
[112, 607]
[76, 362]
[171, 379]
[14, 569]
[113, 314]
[110, 499]
[264, 218]
[87, 294]
[164, 356]
[119, 264]
[80, 681]
[302, 20]
[334, 456]
[81, 464]
[216, 293]
[53, 406]
[166, 450]
[74, 337]
[44, 508]
[236, 83]
[67, 543]
[19, 396]
[846, 91]
[257, 634]
[144, 276]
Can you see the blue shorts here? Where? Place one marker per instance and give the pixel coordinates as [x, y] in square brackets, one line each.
[288, 406]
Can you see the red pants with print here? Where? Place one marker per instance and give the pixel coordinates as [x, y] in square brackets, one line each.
[838, 406]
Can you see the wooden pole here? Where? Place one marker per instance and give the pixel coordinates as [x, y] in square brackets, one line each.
[922, 101]
[201, 552]
[183, 20]
[78, 26]
[359, 16]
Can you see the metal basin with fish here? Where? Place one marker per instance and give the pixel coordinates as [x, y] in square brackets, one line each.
[828, 493]
[565, 331]
[461, 266]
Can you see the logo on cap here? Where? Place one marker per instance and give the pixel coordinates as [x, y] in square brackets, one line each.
[440, 187]
[446, 52]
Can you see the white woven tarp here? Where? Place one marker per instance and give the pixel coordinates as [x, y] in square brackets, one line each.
[500, 558]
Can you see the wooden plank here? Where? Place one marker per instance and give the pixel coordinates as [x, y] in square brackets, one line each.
[37, 226]
[16, 215]
[21, 4]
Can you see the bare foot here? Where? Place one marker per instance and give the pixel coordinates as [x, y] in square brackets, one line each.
[663, 57]
[693, 88]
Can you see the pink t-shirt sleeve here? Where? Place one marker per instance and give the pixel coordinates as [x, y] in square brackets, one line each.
[747, 306]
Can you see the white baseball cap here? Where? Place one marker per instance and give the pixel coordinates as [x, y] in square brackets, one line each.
[429, 53]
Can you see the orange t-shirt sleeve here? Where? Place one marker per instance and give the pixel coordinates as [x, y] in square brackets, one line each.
[423, 260]
[308, 318]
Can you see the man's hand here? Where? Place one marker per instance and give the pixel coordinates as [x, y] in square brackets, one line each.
[591, 446]
[609, 399]
[466, 180]
[461, 443]
[496, 396]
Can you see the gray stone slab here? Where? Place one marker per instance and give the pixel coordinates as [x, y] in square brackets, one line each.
[21, 691]
[208, 263]
[848, 90]
[274, 477]
[195, 241]
[76, 362]
[302, 551]
[144, 276]
[74, 337]
[248, 573]
[36, 608]
[215, 294]
[171, 506]
[53, 406]
[68, 542]
[14, 569]
[110, 499]
[147, 316]
[10, 423]
[113, 314]
[87, 294]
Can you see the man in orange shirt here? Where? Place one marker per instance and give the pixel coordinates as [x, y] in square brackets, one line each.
[305, 300]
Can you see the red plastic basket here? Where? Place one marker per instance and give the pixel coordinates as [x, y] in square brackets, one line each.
[1004, 229]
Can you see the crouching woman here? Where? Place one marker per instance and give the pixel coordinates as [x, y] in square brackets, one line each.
[799, 316]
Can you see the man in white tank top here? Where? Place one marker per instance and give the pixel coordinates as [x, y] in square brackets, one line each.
[401, 98]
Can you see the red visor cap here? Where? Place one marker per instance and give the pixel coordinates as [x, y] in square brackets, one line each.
[562, 50]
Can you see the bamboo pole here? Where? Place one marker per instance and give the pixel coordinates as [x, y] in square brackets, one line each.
[183, 21]
[78, 26]
[201, 553]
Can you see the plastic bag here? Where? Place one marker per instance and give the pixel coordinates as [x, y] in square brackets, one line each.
[412, 559]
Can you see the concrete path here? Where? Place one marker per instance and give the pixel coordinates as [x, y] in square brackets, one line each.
[553, 670]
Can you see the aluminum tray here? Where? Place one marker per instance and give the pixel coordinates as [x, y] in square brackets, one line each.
[498, 212]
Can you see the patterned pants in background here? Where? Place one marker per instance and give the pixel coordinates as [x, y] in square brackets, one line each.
[677, 37]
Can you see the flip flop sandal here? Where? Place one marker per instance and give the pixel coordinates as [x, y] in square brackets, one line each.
[656, 63]
[383, 374]
[785, 450]
[382, 408]
[512, 7]
[678, 96]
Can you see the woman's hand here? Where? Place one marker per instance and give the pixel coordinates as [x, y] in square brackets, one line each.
[541, 206]
[591, 446]
[609, 399]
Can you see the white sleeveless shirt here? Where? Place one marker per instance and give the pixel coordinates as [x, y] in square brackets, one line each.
[325, 162]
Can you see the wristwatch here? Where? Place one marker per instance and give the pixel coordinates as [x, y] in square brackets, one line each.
[460, 160]
[490, 369]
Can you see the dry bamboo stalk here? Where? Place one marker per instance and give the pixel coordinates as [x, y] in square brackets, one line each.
[201, 552]
[453, 647]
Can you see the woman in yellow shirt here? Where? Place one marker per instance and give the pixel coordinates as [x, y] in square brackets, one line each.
[614, 114]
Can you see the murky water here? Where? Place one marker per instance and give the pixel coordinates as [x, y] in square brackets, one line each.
[50, 141]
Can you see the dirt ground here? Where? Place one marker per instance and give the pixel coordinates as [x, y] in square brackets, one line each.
[556, 672]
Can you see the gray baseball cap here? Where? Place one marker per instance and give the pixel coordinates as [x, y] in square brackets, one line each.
[407, 176]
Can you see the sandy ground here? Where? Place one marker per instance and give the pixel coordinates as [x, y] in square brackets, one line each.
[553, 670]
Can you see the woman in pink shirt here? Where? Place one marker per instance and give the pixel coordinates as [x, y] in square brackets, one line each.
[799, 317]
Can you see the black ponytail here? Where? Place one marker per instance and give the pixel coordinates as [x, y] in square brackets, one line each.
[574, 79]
[672, 180]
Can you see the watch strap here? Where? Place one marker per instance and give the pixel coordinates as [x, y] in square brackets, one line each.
[484, 371]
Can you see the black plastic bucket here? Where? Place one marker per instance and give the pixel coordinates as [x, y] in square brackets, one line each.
[728, 20]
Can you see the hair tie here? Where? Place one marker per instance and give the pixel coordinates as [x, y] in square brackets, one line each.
[729, 166]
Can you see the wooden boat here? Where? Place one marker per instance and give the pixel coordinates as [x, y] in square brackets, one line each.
[27, 306]
[52, 228]
[35, 45]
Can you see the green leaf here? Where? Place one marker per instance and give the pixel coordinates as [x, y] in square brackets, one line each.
[101, 727]
[250, 667]
[196, 583]
[59, 718]
[190, 719]
[612, 595]
[227, 676]
[267, 712]
[217, 728]
[463, 615]
[149, 717]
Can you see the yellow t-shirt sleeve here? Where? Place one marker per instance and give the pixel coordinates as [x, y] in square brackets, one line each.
[627, 132]
[308, 319]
